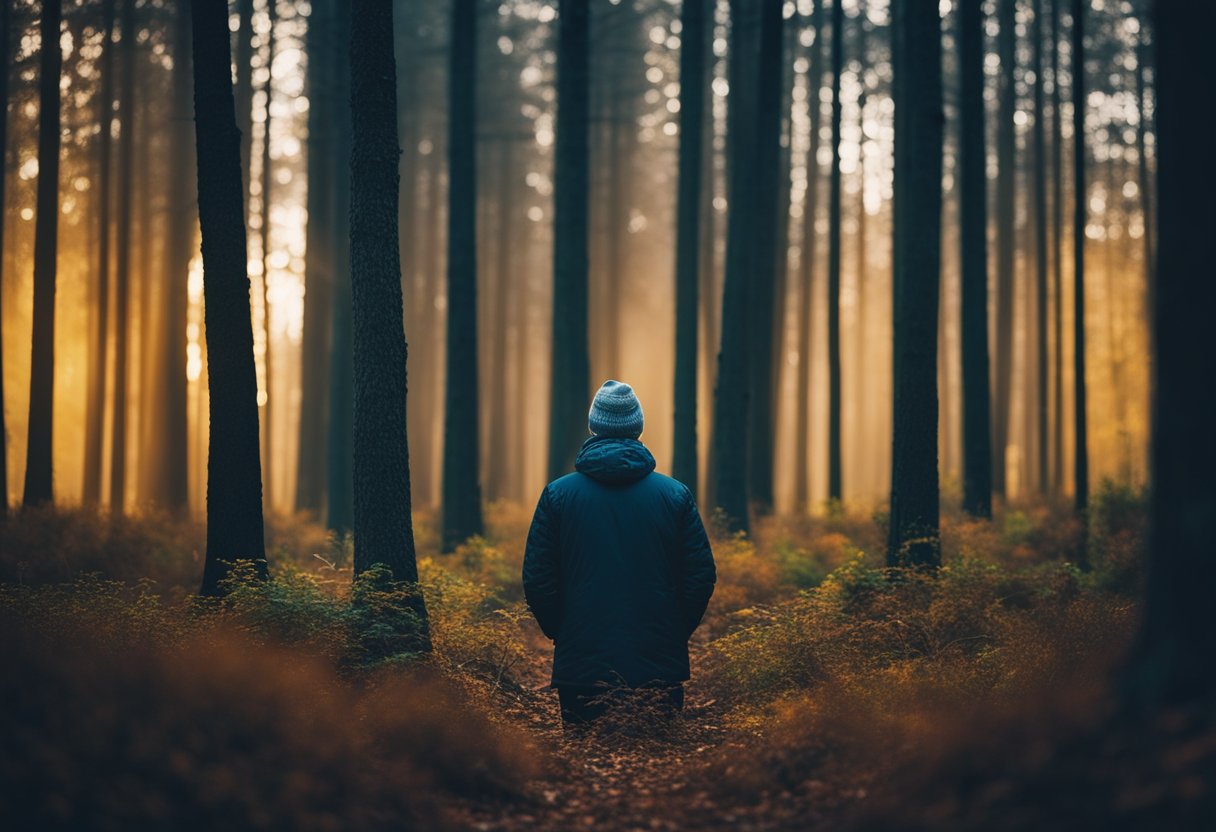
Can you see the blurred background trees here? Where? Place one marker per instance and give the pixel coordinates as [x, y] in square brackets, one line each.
[795, 218]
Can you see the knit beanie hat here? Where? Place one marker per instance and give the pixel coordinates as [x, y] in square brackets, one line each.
[616, 411]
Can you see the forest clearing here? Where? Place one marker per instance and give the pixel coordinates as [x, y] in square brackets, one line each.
[607, 414]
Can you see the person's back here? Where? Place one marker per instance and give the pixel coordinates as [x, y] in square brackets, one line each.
[618, 569]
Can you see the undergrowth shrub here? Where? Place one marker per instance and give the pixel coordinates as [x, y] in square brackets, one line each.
[975, 625]
[123, 712]
[473, 628]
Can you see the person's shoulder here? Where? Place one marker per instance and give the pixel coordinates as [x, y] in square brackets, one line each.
[670, 485]
[564, 484]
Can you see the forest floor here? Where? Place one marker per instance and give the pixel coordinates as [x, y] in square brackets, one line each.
[826, 691]
[637, 774]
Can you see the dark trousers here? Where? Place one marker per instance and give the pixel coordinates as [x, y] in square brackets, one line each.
[581, 705]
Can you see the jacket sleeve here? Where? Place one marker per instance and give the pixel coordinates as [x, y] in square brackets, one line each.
[542, 567]
[697, 570]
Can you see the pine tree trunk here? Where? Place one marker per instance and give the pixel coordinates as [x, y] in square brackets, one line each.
[39, 454]
[569, 385]
[174, 490]
[461, 440]
[913, 532]
[339, 443]
[123, 268]
[383, 527]
[835, 487]
[234, 477]
[729, 477]
[1040, 252]
[973, 236]
[1005, 219]
[267, 419]
[1057, 253]
[96, 402]
[1081, 459]
[500, 407]
[1172, 664]
[763, 283]
[688, 227]
[323, 109]
[802, 419]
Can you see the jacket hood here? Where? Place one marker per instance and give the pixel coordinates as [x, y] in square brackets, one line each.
[614, 460]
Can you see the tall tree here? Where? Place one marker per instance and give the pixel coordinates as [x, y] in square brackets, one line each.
[461, 446]
[1040, 252]
[182, 224]
[1005, 232]
[802, 418]
[383, 527]
[729, 479]
[569, 382]
[973, 238]
[1172, 663]
[1057, 252]
[762, 284]
[234, 475]
[122, 266]
[39, 454]
[913, 532]
[339, 472]
[5, 47]
[835, 488]
[1081, 453]
[264, 229]
[94, 438]
[320, 238]
[688, 228]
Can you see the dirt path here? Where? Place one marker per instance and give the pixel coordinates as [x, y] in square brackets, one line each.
[656, 778]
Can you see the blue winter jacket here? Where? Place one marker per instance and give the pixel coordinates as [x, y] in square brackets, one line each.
[618, 570]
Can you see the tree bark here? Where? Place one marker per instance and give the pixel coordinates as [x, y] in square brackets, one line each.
[763, 280]
[383, 527]
[320, 236]
[122, 266]
[802, 419]
[267, 419]
[1081, 457]
[461, 439]
[1171, 665]
[234, 477]
[1057, 253]
[39, 454]
[729, 478]
[1005, 219]
[174, 489]
[688, 227]
[835, 487]
[501, 438]
[913, 532]
[569, 384]
[973, 237]
[95, 407]
[1040, 253]
[339, 443]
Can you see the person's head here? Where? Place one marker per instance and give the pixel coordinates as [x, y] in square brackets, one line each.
[616, 411]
